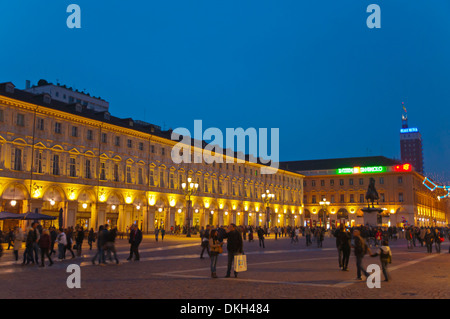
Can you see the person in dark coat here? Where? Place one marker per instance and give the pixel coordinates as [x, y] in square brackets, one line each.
[338, 243]
[429, 239]
[79, 240]
[344, 240]
[101, 242]
[204, 237]
[91, 238]
[44, 244]
[53, 236]
[260, 233]
[135, 240]
[234, 246]
[361, 249]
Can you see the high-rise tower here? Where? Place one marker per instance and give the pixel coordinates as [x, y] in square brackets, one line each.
[411, 144]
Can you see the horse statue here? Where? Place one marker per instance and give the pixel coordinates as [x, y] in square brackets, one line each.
[372, 194]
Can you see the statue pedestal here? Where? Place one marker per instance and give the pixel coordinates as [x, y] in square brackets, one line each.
[372, 216]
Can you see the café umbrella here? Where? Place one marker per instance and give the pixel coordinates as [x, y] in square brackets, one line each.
[7, 215]
[36, 216]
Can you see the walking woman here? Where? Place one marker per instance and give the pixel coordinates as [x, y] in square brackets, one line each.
[429, 238]
[361, 249]
[44, 244]
[18, 239]
[215, 250]
[91, 238]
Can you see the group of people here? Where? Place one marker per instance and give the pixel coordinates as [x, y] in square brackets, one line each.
[212, 242]
[40, 243]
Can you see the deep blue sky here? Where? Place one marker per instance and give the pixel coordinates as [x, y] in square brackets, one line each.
[311, 68]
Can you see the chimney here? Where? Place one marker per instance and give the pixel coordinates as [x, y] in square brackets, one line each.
[27, 84]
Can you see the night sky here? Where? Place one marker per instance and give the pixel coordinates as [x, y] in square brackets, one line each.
[313, 69]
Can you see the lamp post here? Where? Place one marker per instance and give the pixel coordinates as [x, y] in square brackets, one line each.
[267, 198]
[324, 203]
[189, 190]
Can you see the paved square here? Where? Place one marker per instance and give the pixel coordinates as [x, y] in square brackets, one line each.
[173, 270]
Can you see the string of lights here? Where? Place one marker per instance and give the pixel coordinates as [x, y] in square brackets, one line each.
[434, 186]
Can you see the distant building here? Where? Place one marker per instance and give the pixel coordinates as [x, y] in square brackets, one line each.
[98, 169]
[68, 95]
[343, 182]
[411, 145]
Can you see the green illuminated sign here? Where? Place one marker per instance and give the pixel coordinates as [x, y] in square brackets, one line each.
[361, 170]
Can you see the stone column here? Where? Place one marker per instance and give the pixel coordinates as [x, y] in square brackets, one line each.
[101, 213]
[70, 214]
[220, 217]
[151, 219]
[94, 217]
[171, 217]
[121, 220]
[245, 218]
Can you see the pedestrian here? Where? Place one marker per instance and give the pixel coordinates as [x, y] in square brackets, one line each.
[360, 249]
[429, 238]
[385, 254]
[61, 239]
[163, 233]
[18, 240]
[101, 242]
[345, 239]
[35, 235]
[422, 234]
[215, 250]
[338, 243]
[135, 240]
[10, 239]
[29, 246]
[378, 237]
[204, 237]
[320, 236]
[79, 240]
[156, 233]
[53, 236]
[91, 238]
[44, 244]
[260, 233]
[234, 246]
[438, 239]
[69, 237]
[292, 233]
[409, 238]
[308, 236]
[110, 245]
[250, 234]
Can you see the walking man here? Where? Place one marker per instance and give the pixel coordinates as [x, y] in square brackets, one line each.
[205, 241]
[261, 237]
[234, 246]
[135, 240]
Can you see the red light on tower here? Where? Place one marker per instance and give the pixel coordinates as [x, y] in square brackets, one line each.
[403, 168]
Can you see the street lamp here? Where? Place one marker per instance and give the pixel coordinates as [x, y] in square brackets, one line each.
[189, 190]
[267, 198]
[324, 203]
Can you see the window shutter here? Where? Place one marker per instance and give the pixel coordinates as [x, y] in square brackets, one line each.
[52, 164]
[13, 157]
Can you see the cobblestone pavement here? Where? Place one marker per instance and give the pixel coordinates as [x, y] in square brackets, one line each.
[172, 269]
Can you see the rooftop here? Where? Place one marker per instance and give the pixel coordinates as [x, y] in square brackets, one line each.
[335, 163]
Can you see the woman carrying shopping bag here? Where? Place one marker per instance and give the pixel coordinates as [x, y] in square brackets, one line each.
[215, 250]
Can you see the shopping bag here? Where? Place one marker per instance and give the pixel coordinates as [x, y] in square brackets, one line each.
[240, 263]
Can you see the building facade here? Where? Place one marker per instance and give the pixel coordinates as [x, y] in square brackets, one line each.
[411, 150]
[68, 95]
[95, 169]
[343, 184]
